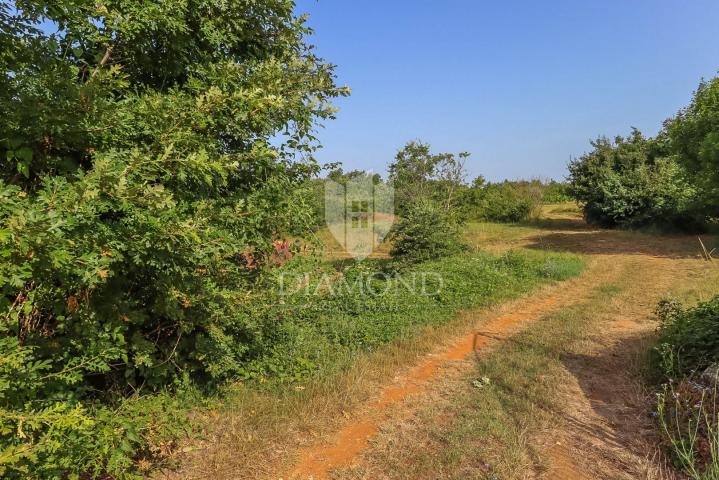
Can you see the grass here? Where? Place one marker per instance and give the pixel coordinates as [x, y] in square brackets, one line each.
[477, 427]
[486, 423]
[483, 427]
[353, 350]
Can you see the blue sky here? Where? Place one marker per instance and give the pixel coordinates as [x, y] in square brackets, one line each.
[522, 85]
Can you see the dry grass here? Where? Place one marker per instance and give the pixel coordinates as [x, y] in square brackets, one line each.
[565, 399]
[258, 434]
[456, 430]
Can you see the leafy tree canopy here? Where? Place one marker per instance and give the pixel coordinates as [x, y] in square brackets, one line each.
[694, 138]
[147, 153]
[418, 175]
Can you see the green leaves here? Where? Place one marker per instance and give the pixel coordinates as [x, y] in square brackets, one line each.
[693, 136]
[23, 157]
[147, 147]
[632, 182]
[671, 180]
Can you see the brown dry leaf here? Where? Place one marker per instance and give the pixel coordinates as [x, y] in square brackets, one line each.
[72, 303]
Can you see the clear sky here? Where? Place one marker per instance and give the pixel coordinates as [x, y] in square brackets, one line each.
[522, 85]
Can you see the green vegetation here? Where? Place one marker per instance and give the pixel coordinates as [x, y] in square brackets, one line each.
[425, 232]
[504, 202]
[418, 175]
[146, 155]
[485, 420]
[154, 159]
[669, 181]
[689, 422]
[422, 180]
[687, 406]
[629, 183]
[688, 337]
[158, 199]
[304, 326]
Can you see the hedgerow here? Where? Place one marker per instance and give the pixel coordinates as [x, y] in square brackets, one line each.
[148, 153]
[667, 181]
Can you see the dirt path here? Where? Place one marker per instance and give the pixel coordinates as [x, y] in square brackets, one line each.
[318, 460]
[602, 430]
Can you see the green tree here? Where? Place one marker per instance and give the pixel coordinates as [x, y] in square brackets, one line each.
[694, 139]
[419, 175]
[424, 232]
[148, 152]
[631, 182]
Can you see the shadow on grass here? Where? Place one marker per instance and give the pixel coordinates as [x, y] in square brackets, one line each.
[572, 224]
[610, 381]
[618, 242]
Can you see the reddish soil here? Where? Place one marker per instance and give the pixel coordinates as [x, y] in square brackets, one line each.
[318, 460]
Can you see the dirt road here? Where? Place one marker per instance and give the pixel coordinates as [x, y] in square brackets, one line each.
[601, 427]
[547, 386]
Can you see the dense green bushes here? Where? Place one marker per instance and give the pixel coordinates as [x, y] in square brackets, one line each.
[668, 181]
[688, 338]
[148, 156]
[508, 201]
[427, 192]
[308, 319]
[425, 232]
[631, 182]
[556, 192]
[687, 405]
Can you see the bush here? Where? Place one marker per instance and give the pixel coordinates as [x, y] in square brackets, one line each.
[688, 338]
[632, 183]
[148, 157]
[503, 202]
[668, 181]
[688, 408]
[507, 202]
[556, 192]
[426, 232]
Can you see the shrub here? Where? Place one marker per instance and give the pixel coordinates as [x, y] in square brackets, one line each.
[687, 408]
[631, 183]
[669, 181]
[688, 338]
[503, 202]
[506, 202]
[426, 232]
[556, 192]
[148, 157]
